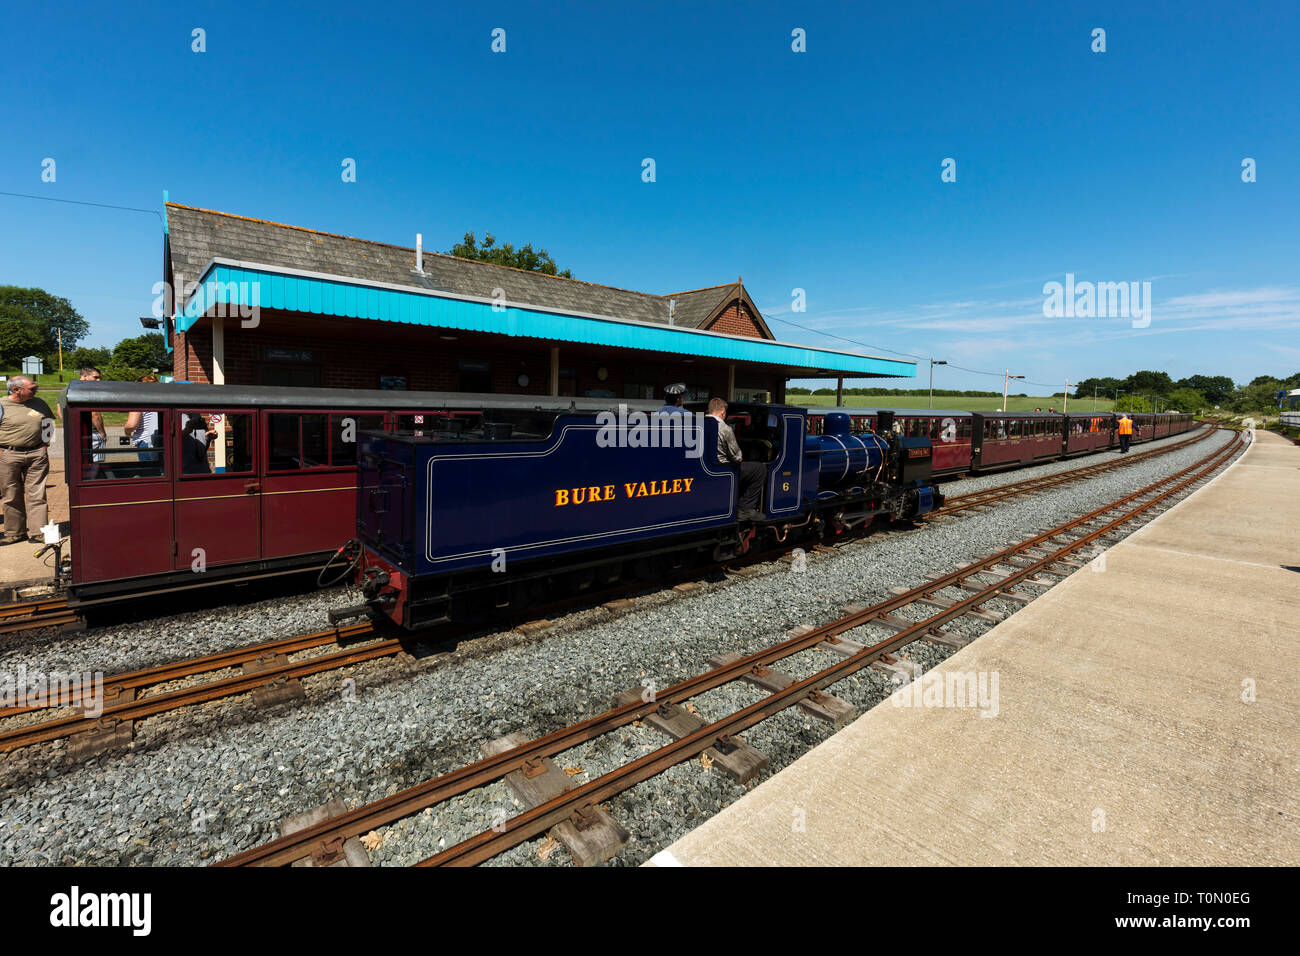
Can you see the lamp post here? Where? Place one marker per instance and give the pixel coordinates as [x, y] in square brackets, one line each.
[1005, 382]
[933, 363]
[1065, 407]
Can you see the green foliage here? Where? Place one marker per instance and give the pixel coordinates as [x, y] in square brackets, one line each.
[20, 336]
[1215, 388]
[525, 258]
[1258, 397]
[83, 356]
[1187, 400]
[144, 351]
[1150, 383]
[113, 372]
[44, 313]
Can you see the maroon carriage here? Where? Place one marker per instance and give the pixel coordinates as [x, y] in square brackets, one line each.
[1088, 432]
[1007, 439]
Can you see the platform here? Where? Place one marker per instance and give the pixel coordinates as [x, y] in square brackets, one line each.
[1147, 714]
[17, 564]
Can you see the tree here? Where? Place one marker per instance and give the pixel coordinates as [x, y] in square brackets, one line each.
[83, 356]
[1188, 400]
[1259, 395]
[48, 313]
[144, 351]
[1149, 383]
[1215, 388]
[20, 336]
[507, 255]
[1102, 387]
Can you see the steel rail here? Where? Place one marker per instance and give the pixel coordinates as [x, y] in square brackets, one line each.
[361, 820]
[176, 670]
[114, 714]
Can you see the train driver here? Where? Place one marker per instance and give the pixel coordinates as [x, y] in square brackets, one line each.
[751, 473]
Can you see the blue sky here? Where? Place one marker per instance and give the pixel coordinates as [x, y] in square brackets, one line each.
[817, 170]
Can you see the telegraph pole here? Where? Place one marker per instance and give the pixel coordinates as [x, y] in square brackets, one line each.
[933, 363]
[1066, 407]
[1005, 382]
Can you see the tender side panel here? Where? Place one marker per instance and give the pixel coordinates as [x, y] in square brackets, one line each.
[586, 487]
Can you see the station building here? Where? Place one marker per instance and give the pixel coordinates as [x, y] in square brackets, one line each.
[262, 303]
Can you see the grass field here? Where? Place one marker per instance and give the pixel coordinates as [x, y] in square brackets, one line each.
[915, 400]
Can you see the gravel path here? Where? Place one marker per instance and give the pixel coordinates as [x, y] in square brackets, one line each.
[204, 783]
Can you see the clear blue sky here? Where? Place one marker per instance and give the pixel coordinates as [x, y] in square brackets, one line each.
[817, 170]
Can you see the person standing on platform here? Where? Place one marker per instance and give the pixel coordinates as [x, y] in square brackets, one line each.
[1125, 433]
[26, 428]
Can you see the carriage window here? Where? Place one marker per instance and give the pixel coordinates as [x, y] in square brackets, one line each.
[215, 442]
[108, 450]
[297, 441]
[345, 431]
[315, 442]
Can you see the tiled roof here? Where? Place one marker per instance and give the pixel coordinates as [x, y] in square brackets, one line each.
[199, 235]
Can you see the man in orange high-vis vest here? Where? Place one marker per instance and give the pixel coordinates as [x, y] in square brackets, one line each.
[1125, 433]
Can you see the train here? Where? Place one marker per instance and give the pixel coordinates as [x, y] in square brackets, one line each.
[231, 483]
[451, 524]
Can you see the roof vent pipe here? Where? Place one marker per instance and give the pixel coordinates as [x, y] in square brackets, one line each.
[419, 253]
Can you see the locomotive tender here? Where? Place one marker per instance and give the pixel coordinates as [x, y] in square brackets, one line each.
[536, 501]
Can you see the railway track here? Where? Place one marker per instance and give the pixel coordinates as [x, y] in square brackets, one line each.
[1002, 575]
[121, 704]
[28, 615]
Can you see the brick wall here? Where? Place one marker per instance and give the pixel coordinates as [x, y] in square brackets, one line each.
[736, 320]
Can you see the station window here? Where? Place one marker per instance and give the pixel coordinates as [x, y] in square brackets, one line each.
[215, 442]
[109, 450]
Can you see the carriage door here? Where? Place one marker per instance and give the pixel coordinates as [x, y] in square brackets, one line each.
[218, 493]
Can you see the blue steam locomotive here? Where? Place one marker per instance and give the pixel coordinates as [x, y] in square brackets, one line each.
[528, 503]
